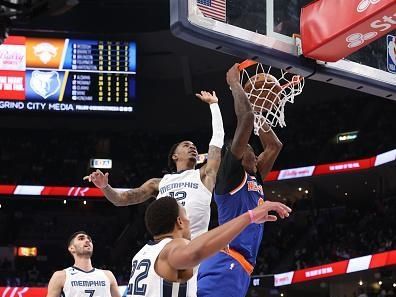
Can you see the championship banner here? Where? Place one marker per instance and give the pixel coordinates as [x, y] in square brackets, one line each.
[334, 29]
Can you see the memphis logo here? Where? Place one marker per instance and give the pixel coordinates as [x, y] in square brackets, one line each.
[253, 186]
[45, 84]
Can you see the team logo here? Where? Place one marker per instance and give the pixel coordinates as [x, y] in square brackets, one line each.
[45, 51]
[45, 83]
[365, 4]
[391, 42]
[358, 39]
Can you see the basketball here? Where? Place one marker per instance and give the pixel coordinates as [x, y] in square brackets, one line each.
[263, 91]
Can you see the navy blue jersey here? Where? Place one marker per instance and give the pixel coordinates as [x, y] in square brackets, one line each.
[235, 193]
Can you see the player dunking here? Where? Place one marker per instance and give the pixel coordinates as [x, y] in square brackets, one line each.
[237, 190]
[82, 280]
[162, 267]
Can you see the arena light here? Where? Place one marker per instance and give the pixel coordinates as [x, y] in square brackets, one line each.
[347, 136]
[27, 251]
[360, 283]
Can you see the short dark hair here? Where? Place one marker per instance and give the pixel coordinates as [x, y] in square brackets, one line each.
[161, 216]
[171, 162]
[74, 236]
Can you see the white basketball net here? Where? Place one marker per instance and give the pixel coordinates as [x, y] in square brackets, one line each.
[268, 101]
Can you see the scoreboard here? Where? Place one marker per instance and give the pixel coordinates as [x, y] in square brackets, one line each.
[67, 75]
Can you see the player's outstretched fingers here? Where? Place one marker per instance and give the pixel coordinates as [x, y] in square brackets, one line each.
[280, 209]
[271, 218]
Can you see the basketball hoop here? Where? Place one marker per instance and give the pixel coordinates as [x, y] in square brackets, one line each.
[268, 95]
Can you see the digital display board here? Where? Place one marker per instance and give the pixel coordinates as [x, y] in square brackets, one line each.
[67, 75]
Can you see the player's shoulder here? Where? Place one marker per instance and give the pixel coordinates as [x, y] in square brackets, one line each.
[108, 273]
[59, 276]
[174, 243]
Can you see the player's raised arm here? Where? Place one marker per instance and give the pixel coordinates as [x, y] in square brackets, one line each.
[209, 171]
[183, 255]
[243, 111]
[272, 146]
[124, 198]
[56, 284]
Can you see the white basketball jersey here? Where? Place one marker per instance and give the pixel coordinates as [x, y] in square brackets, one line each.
[79, 283]
[187, 188]
[144, 279]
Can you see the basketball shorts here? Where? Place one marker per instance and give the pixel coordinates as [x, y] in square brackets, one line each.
[222, 276]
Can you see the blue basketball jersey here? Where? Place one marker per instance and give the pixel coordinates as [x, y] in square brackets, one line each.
[248, 195]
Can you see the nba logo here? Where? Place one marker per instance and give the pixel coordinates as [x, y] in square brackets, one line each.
[391, 48]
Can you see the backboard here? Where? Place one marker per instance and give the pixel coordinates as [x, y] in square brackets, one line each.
[263, 30]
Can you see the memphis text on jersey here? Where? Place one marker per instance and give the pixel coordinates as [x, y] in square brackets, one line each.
[178, 186]
[88, 283]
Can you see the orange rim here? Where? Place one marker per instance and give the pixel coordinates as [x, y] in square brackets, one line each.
[245, 64]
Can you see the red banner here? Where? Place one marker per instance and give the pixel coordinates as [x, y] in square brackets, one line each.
[320, 271]
[336, 268]
[273, 175]
[22, 292]
[7, 189]
[344, 166]
[12, 85]
[307, 171]
[334, 29]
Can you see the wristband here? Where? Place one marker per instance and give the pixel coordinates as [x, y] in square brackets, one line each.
[251, 215]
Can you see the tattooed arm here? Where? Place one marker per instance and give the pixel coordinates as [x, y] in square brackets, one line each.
[124, 198]
[133, 196]
[209, 171]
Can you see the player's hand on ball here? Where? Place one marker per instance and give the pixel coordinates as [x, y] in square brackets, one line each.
[208, 97]
[233, 75]
[99, 179]
[261, 212]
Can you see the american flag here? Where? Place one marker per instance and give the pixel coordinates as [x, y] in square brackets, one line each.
[215, 9]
